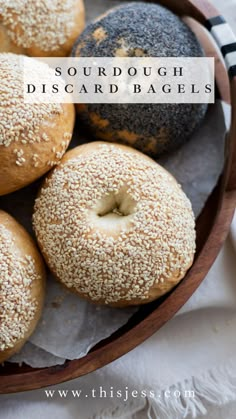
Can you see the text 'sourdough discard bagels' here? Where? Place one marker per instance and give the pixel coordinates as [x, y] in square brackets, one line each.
[40, 27]
[22, 282]
[114, 226]
[137, 30]
[33, 137]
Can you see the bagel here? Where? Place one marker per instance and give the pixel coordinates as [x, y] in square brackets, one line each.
[34, 136]
[40, 28]
[114, 226]
[22, 286]
[140, 29]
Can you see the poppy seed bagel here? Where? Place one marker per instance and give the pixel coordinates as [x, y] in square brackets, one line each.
[140, 29]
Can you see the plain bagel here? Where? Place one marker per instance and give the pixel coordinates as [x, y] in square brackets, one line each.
[114, 226]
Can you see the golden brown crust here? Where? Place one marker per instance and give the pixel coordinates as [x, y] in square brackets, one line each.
[34, 137]
[23, 246]
[178, 260]
[14, 177]
[6, 44]
[57, 44]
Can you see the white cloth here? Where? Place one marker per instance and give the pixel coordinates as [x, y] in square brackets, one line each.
[194, 351]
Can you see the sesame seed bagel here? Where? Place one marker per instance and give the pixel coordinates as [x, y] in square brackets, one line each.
[140, 29]
[114, 226]
[33, 137]
[22, 283]
[40, 27]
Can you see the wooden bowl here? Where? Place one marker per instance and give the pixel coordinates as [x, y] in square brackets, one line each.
[212, 229]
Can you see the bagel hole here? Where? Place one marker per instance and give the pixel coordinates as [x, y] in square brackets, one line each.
[116, 205]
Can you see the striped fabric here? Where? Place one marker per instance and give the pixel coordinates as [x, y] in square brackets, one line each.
[226, 40]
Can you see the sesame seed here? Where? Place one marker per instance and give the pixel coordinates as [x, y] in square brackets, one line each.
[44, 23]
[20, 121]
[17, 306]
